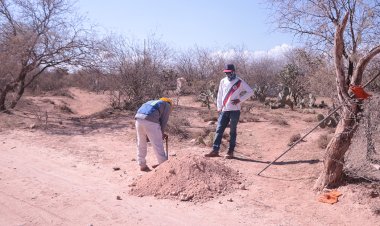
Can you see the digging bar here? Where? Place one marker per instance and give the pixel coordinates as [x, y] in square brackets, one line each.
[167, 146]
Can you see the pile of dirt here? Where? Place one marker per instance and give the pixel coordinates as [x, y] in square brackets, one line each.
[189, 178]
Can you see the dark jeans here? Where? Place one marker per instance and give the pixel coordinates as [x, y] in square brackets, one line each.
[226, 117]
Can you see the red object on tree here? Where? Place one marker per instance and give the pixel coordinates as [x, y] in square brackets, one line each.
[359, 92]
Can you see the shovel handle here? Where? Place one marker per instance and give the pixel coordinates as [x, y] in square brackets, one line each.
[167, 146]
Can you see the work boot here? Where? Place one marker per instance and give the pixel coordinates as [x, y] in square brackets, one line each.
[144, 168]
[212, 154]
[229, 155]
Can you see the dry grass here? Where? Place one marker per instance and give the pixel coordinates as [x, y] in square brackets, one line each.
[210, 119]
[308, 111]
[323, 140]
[249, 117]
[207, 130]
[207, 115]
[310, 119]
[280, 121]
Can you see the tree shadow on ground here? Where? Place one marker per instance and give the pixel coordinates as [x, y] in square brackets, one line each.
[355, 179]
[285, 179]
[63, 124]
[311, 161]
[81, 126]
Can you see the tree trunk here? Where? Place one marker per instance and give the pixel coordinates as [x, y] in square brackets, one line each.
[332, 173]
[3, 95]
[20, 92]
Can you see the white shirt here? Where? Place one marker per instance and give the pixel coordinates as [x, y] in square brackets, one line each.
[224, 87]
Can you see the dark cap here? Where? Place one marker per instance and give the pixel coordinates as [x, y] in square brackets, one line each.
[229, 68]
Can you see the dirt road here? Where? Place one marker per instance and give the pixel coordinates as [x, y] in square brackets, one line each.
[69, 178]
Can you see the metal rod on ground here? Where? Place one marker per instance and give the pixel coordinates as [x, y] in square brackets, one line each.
[299, 140]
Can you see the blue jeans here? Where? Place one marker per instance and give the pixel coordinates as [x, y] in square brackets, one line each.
[226, 117]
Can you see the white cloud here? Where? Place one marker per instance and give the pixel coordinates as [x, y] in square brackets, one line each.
[277, 51]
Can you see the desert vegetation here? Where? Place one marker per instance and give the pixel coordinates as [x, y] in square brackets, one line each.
[48, 57]
[45, 50]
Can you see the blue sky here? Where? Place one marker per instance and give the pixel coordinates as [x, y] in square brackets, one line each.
[184, 24]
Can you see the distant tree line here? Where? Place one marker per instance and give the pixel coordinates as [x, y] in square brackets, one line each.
[45, 46]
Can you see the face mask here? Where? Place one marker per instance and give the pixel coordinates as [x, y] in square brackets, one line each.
[231, 76]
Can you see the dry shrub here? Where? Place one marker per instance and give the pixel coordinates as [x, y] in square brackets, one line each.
[280, 121]
[308, 111]
[323, 140]
[206, 137]
[322, 82]
[195, 132]
[331, 130]
[209, 139]
[106, 113]
[48, 101]
[310, 119]
[294, 138]
[65, 109]
[177, 126]
[249, 117]
[63, 93]
[49, 81]
[206, 131]
[7, 121]
[208, 115]
[210, 119]
[253, 119]
[200, 141]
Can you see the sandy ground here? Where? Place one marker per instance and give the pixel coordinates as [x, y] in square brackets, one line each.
[59, 169]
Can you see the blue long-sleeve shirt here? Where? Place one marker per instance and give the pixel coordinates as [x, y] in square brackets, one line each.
[156, 111]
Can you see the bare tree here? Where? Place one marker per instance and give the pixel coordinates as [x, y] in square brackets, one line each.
[186, 66]
[263, 73]
[349, 28]
[198, 63]
[316, 73]
[140, 69]
[202, 69]
[36, 35]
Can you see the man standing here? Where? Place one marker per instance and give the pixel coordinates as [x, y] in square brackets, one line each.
[228, 104]
[151, 120]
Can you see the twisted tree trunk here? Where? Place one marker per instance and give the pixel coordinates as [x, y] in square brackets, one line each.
[3, 95]
[332, 173]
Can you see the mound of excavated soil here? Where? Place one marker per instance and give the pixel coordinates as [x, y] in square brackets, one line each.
[189, 178]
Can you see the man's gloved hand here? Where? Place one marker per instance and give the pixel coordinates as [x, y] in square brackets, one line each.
[165, 136]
